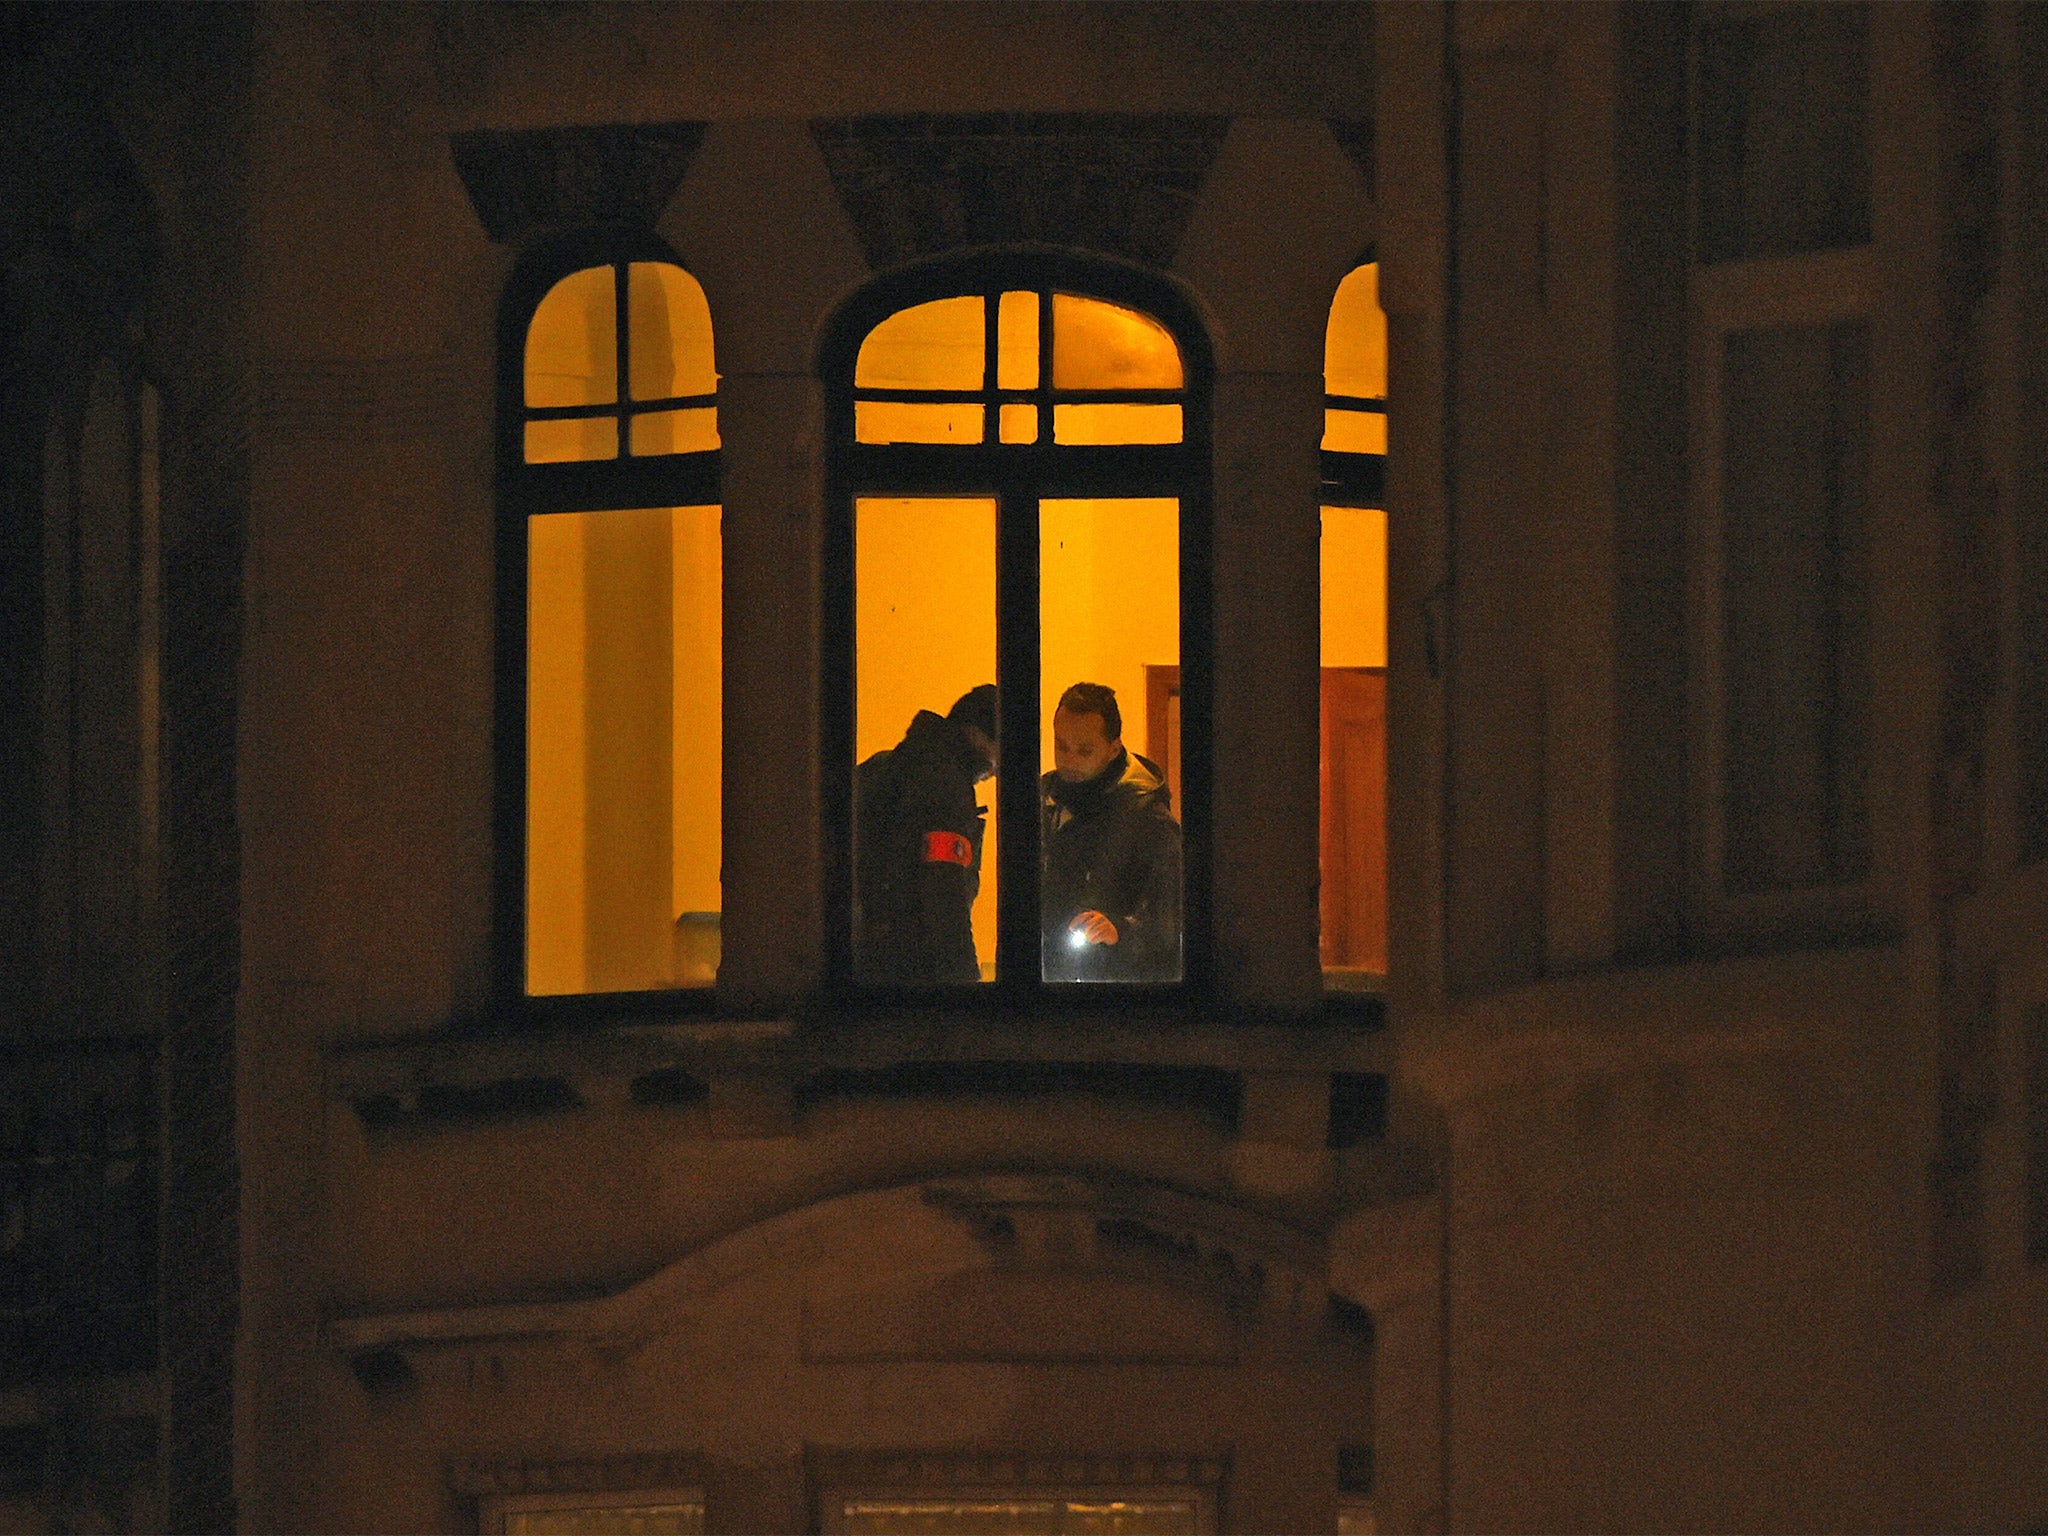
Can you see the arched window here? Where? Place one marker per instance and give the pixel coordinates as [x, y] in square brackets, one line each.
[609, 582]
[1354, 636]
[1020, 473]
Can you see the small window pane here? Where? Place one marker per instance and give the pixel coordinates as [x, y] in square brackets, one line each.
[1016, 1516]
[1355, 345]
[1355, 431]
[572, 438]
[572, 343]
[669, 340]
[1081, 425]
[1795, 601]
[924, 636]
[612, 1520]
[1109, 610]
[899, 421]
[690, 431]
[1019, 424]
[623, 731]
[1017, 342]
[1105, 346]
[939, 345]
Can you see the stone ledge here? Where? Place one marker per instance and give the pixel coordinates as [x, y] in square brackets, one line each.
[686, 1062]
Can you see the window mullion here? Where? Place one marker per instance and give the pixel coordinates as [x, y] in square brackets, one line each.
[623, 336]
[1017, 916]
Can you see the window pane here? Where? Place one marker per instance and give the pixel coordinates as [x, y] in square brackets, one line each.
[1105, 346]
[1355, 431]
[1794, 619]
[1355, 345]
[898, 421]
[669, 339]
[623, 733]
[1109, 610]
[1017, 341]
[572, 438]
[572, 343]
[1353, 842]
[1019, 423]
[1079, 425]
[689, 431]
[924, 636]
[939, 345]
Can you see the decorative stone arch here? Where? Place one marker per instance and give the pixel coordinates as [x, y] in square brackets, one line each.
[980, 1288]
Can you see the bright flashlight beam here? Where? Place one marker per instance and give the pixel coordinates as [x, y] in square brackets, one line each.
[1077, 940]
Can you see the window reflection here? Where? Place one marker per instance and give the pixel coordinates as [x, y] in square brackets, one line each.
[1110, 846]
[623, 750]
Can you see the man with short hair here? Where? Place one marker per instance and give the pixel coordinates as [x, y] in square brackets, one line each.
[1110, 881]
[917, 847]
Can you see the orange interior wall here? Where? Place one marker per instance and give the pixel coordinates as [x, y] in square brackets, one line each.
[623, 797]
[1109, 603]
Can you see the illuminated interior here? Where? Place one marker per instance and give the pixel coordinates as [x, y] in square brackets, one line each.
[623, 725]
[623, 750]
[922, 643]
[1079, 365]
[1353, 840]
[1355, 366]
[988, 371]
[577, 360]
[1109, 612]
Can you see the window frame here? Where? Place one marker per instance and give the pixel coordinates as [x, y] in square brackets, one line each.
[1017, 476]
[1351, 479]
[1806, 290]
[524, 491]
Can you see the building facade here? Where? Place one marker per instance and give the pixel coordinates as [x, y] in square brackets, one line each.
[466, 519]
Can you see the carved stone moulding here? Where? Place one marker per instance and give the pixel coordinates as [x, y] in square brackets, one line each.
[527, 181]
[1119, 183]
[482, 1476]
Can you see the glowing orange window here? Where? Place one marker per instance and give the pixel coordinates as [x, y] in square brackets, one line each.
[614, 540]
[595, 391]
[1020, 461]
[1353, 840]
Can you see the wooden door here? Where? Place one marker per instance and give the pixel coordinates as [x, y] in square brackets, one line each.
[1162, 726]
[1353, 843]
[1354, 819]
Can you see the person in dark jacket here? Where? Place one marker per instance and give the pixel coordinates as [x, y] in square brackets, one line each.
[1110, 884]
[917, 848]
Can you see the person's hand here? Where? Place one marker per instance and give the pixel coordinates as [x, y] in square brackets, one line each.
[1093, 927]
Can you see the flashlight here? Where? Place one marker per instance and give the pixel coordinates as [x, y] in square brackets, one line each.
[1077, 940]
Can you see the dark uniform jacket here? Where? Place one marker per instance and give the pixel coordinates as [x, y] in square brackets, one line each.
[1110, 845]
[917, 858]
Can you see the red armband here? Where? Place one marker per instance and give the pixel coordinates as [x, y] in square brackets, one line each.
[948, 848]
